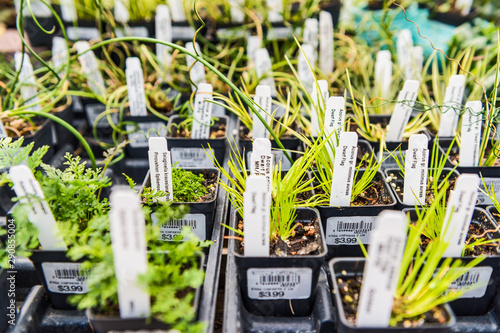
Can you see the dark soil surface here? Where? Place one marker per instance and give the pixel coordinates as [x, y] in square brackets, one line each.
[210, 184]
[375, 195]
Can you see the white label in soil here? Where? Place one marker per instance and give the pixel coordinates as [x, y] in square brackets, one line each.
[383, 74]
[94, 110]
[263, 67]
[459, 213]
[202, 113]
[65, 278]
[197, 71]
[163, 27]
[59, 54]
[177, 8]
[171, 231]
[144, 132]
[325, 42]
[237, 15]
[453, 105]
[306, 56]
[132, 32]
[381, 270]
[474, 282]
[345, 230]
[90, 68]
[82, 33]
[68, 11]
[334, 120]
[311, 34]
[416, 162]
[121, 11]
[279, 283]
[471, 134]
[413, 69]
[191, 157]
[404, 45]
[253, 44]
[344, 170]
[256, 208]
[318, 105]
[261, 160]
[263, 103]
[402, 111]
[484, 199]
[26, 76]
[279, 33]
[275, 11]
[135, 87]
[181, 32]
[160, 167]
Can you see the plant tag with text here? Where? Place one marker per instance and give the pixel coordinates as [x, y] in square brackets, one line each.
[128, 240]
[383, 74]
[256, 210]
[253, 44]
[90, 68]
[471, 134]
[275, 11]
[177, 8]
[404, 45]
[483, 198]
[135, 86]
[26, 76]
[263, 67]
[334, 119]
[381, 272]
[261, 160]
[459, 212]
[121, 11]
[29, 192]
[453, 104]
[263, 99]
[191, 157]
[344, 170]
[306, 56]
[197, 72]
[346, 230]
[474, 282]
[416, 164]
[65, 277]
[325, 42]
[163, 27]
[402, 111]
[202, 113]
[318, 105]
[160, 167]
[279, 283]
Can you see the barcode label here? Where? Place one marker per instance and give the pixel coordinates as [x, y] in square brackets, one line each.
[275, 283]
[171, 231]
[94, 110]
[65, 278]
[346, 230]
[474, 282]
[144, 132]
[182, 32]
[82, 33]
[482, 198]
[191, 157]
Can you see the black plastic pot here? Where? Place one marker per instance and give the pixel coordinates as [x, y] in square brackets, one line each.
[190, 152]
[62, 135]
[343, 225]
[42, 137]
[57, 291]
[477, 306]
[308, 265]
[399, 183]
[202, 213]
[342, 267]
[36, 36]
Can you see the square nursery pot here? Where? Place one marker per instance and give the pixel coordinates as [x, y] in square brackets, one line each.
[114, 323]
[396, 183]
[190, 152]
[266, 281]
[36, 36]
[201, 214]
[343, 225]
[487, 273]
[349, 268]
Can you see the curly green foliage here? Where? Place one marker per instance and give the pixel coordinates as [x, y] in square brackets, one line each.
[187, 186]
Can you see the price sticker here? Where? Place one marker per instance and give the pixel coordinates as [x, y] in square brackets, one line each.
[471, 134]
[191, 157]
[171, 231]
[474, 282]
[65, 278]
[346, 230]
[483, 198]
[279, 283]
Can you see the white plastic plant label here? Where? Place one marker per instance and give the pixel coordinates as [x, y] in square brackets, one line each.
[474, 282]
[160, 167]
[279, 283]
[59, 54]
[472, 120]
[256, 210]
[318, 105]
[459, 212]
[163, 27]
[202, 113]
[261, 160]
[82, 33]
[128, 241]
[144, 131]
[171, 231]
[381, 272]
[344, 170]
[135, 87]
[90, 68]
[346, 230]
[65, 277]
[416, 164]
[383, 74]
[334, 119]
[275, 11]
[121, 11]
[68, 10]
[453, 104]
[325, 42]
[237, 15]
[306, 56]
[263, 67]
[263, 103]
[311, 34]
[197, 72]
[402, 111]
[253, 44]
[26, 76]
[464, 6]
[191, 157]
[483, 198]
[177, 8]
[29, 192]
[413, 69]
[404, 45]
